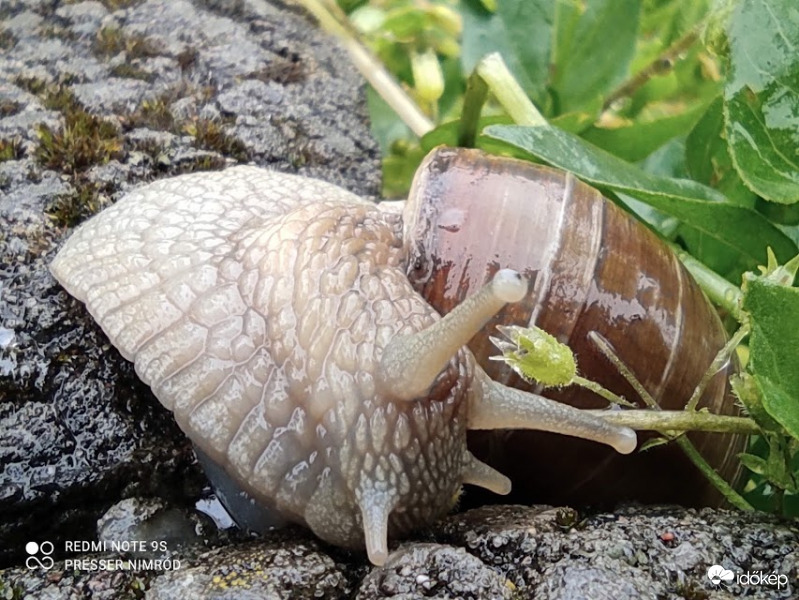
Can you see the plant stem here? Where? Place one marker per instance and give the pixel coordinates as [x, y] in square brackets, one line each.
[607, 350]
[660, 65]
[601, 391]
[473, 100]
[720, 291]
[372, 69]
[493, 70]
[719, 362]
[678, 420]
[733, 497]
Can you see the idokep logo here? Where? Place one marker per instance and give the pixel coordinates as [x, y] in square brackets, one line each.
[718, 575]
[39, 555]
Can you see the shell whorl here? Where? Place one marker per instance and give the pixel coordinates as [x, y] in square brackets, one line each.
[256, 305]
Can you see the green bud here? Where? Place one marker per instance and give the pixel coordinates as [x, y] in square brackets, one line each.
[536, 355]
[448, 19]
[780, 274]
[427, 76]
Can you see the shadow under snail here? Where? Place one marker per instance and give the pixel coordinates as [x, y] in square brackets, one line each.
[276, 317]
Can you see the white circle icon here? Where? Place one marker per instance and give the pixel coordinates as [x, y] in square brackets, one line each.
[45, 561]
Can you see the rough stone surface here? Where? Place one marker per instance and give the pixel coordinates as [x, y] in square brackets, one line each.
[289, 565]
[636, 552]
[275, 569]
[435, 571]
[166, 529]
[95, 98]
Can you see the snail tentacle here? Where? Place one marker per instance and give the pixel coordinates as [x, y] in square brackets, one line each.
[502, 407]
[476, 472]
[376, 506]
[411, 363]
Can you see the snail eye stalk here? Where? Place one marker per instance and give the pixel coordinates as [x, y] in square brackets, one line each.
[503, 407]
[410, 363]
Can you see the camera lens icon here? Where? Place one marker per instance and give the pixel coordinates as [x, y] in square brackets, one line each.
[39, 555]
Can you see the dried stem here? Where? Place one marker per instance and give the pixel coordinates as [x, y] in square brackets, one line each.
[658, 66]
[678, 420]
[721, 359]
[371, 68]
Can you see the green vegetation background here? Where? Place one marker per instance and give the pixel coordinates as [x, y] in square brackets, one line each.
[685, 112]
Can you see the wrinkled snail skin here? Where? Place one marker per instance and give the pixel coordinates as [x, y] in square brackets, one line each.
[272, 315]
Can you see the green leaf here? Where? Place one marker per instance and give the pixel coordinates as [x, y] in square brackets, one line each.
[653, 443]
[399, 168]
[781, 405]
[520, 30]
[757, 465]
[779, 471]
[774, 348]
[637, 141]
[746, 391]
[776, 467]
[447, 134]
[713, 254]
[708, 159]
[664, 22]
[578, 121]
[762, 97]
[453, 86]
[594, 45]
[405, 22]
[742, 230]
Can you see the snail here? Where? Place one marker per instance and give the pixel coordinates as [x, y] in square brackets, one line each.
[272, 315]
[280, 319]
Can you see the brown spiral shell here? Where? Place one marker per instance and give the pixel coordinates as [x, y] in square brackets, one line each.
[593, 268]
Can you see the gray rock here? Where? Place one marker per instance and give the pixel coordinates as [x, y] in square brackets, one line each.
[114, 95]
[288, 566]
[164, 529]
[23, 24]
[434, 571]
[61, 584]
[285, 568]
[636, 552]
[83, 17]
[660, 553]
[78, 431]
[252, 97]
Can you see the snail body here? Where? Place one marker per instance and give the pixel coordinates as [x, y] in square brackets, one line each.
[272, 315]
